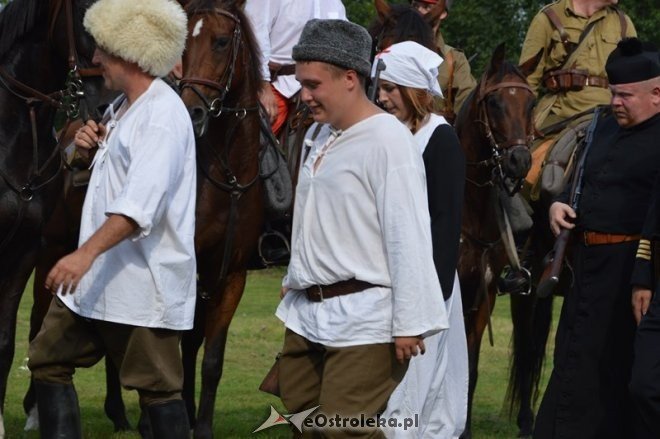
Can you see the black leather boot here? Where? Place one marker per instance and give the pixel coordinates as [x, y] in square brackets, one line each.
[59, 414]
[169, 420]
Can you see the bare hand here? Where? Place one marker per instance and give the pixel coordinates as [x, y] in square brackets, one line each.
[267, 99]
[641, 299]
[408, 347]
[68, 271]
[283, 292]
[88, 135]
[560, 214]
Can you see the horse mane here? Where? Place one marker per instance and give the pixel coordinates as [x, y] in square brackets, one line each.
[253, 72]
[404, 24]
[17, 19]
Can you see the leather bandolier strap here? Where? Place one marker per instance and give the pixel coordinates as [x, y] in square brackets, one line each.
[572, 79]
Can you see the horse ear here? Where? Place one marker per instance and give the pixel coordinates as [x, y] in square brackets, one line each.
[383, 9]
[497, 59]
[528, 67]
[436, 14]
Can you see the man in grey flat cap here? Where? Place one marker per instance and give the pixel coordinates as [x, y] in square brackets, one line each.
[361, 291]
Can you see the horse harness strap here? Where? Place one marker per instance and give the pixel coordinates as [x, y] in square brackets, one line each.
[318, 293]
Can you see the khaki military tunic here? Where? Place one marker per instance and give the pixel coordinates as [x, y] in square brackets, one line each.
[463, 81]
[591, 55]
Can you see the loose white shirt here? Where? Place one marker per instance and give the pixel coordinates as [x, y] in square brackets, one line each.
[424, 133]
[363, 214]
[145, 170]
[277, 25]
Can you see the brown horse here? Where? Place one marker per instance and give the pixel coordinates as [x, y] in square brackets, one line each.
[44, 54]
[495, 130]
[219, 86]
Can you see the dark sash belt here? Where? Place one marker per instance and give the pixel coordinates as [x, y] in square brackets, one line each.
[317, 293]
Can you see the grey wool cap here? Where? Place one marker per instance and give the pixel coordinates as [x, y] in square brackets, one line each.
[338, 42]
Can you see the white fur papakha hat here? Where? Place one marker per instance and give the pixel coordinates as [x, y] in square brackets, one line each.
[150, 33]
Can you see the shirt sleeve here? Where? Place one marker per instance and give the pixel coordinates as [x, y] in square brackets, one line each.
[418, 305]
[538, 37]
[444, 162]
[157, 160]
[643, 272]
[260, 15]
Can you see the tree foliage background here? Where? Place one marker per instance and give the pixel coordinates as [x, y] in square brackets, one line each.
[478, 26]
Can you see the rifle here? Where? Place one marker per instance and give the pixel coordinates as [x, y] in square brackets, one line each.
[554, 260]
[373, 88]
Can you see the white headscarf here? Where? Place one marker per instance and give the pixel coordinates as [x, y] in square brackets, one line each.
[411, 65]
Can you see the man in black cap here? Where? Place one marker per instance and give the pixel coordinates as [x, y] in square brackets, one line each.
[587, 396]
[361, 290]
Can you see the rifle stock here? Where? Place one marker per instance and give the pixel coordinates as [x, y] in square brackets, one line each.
[554, 262]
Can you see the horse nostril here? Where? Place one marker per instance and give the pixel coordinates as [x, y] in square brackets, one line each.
[197, 114]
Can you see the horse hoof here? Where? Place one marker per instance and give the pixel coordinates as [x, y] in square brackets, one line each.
[122, 425]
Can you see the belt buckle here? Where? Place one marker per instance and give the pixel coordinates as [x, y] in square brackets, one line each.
[585, 239]
[587, 83]
[320, 292]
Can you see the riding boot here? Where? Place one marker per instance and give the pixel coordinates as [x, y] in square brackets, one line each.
[59, 414]
[169, 420]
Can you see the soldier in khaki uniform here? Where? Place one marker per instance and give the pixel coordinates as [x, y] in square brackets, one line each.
[455, 76]
[576, 37]
[569, 85]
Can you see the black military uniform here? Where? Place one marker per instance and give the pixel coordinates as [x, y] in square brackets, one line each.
[587, 395]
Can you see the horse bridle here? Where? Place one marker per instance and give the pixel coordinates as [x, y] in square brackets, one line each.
[67, 100]
[497, 149]
[215, 108]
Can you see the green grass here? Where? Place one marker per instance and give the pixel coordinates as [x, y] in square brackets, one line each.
[255, 338]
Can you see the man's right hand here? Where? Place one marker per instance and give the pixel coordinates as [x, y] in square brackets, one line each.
[560, 214]
[88, 135]
[267, 99]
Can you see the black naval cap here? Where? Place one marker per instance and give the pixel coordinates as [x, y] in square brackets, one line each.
[633, 61]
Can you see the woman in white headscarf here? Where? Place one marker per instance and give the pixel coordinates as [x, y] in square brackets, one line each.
[436, 384]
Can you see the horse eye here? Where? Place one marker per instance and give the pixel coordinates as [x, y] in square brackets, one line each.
[220, 43]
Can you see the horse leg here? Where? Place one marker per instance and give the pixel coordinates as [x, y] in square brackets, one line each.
[475, 325]
[190, 343]
[521, 376]
[220, 311]
[16, 272]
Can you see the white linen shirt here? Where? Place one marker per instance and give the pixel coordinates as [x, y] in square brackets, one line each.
[277, 25]
[145, 170]
[363, 214]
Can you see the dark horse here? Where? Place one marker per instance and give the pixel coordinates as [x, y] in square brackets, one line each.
[44, 53]
[495, 129]
[219, 86]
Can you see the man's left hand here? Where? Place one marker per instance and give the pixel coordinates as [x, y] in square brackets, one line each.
[641, 298]
[68, 271]
[408, 347]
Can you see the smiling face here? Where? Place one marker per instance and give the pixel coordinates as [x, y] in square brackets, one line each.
[325, 90]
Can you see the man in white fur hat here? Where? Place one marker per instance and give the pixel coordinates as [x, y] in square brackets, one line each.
[129, 289]
[361, 291]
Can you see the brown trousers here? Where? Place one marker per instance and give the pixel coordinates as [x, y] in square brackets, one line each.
[348, 381]
[148, 359]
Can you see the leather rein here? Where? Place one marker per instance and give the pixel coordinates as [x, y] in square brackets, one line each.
[494, 162]
[215, 108]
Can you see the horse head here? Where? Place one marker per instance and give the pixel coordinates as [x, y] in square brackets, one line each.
[398, 23]
[220, 74]
[502, 105]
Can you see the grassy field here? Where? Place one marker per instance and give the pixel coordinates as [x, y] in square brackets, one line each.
[255, 338]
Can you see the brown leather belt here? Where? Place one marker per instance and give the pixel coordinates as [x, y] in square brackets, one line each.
[280, 70]
[317, 293]
[597, 238]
